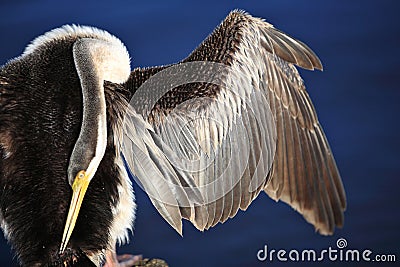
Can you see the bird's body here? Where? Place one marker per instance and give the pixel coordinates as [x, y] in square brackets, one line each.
[53, 124]
[40, 121]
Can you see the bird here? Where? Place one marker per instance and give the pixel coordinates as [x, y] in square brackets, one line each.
[203, 137]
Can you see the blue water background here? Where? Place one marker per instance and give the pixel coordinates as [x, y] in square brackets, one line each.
[357, 97]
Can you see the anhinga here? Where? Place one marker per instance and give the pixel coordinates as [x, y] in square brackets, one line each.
[73, 115]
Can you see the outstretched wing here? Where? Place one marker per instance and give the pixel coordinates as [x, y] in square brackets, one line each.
[229, 121]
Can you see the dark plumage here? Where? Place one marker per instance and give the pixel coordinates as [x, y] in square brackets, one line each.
[40, 119]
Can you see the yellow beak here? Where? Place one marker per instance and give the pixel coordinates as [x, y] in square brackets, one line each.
[79, 188]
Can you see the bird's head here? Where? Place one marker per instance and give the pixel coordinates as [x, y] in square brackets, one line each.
[80, 174]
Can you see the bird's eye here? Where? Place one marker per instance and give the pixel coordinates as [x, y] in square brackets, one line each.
[81, 174]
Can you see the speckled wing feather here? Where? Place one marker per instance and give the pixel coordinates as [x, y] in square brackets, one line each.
[252, 128]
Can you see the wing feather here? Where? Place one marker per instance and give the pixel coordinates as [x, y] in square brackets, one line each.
[253, 128]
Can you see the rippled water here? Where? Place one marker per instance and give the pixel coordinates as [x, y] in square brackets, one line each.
[356, 98]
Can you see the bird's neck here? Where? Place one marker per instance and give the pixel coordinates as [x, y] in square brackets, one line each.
[96, 61]
[90, 147]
